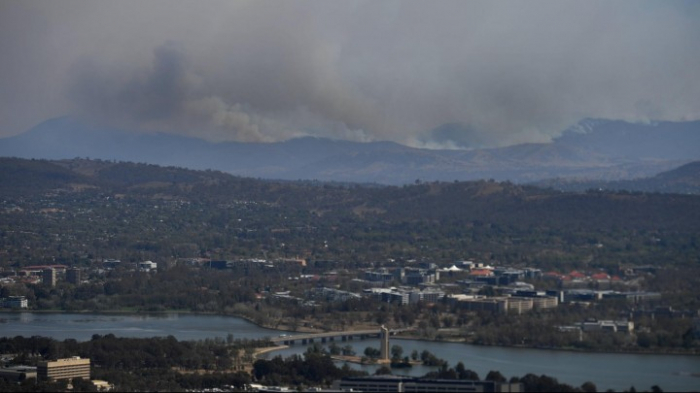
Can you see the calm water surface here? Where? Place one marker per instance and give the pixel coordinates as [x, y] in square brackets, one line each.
[607, 371]
[82, 326]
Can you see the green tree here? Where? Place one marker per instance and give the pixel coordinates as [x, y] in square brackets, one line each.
[372, 352]
[495, 376]
[396, 352]
[589, 387]
[383, 370]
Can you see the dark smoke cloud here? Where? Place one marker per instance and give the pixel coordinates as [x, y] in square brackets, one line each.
[166, 96]
[436, 74]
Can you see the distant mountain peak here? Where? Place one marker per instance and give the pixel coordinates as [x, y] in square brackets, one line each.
[604, 151]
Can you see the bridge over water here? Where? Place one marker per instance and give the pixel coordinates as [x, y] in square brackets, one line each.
[348, 335]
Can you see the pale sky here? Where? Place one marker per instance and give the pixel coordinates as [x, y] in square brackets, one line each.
[507, 72]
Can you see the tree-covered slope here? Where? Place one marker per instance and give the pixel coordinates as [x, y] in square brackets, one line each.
[75, 208]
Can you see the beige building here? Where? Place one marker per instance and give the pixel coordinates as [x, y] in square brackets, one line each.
[545, 302]
[102, 386]
[70, 368]
[504, 304]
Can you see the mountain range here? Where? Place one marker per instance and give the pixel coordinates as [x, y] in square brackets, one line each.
[600, 150]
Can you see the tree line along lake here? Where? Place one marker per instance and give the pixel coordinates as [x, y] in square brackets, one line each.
[605, 370]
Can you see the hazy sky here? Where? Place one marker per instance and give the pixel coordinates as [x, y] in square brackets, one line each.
[507, 72]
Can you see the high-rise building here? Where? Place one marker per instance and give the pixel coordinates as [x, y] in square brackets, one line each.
[73, 276]
[49, 277]
[70, 368]
[384, 342]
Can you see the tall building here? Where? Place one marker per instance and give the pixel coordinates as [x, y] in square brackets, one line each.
[73, 276]
[384, 342]
[69, 368]
[49, 277]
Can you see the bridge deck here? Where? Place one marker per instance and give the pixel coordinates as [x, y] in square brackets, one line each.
[312, 336]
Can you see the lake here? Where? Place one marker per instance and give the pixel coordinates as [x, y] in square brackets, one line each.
[82, 326]
[607, 371]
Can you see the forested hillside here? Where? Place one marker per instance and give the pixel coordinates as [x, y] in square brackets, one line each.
[682, 180]
[73, 209]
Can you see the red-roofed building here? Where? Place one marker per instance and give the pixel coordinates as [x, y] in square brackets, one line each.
[576, 275]
[481, 273]
[600, 277]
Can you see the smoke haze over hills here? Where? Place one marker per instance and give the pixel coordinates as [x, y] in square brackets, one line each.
[594, 149]
[478, 74]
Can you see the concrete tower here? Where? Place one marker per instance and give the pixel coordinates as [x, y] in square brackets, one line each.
[384, 342]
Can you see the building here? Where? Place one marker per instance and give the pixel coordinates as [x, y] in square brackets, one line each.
[381, 276]
[636, 296]
[389, 295]
[540, 300]
[498, 304]
[69, 368]
[147, 266]
[331, 294]
[111, 263]
[594, 325]
[504, 304]
[479, 303]
[390, 383]
[102, 386]
[38, 270]
[518, 305]
[405, 295]
[73, 276]
[384, 343]
[49, 277]
[582, 295]
[292, 261]
[15, 302]
[427, 295]
[545, 302]
[413, 276]
[18, 373]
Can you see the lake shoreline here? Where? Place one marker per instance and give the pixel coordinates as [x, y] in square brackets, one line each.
[571, 350]
[616, 371]
[413, 338]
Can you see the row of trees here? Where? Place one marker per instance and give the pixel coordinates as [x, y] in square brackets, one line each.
[140, 364]
[119, 353]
